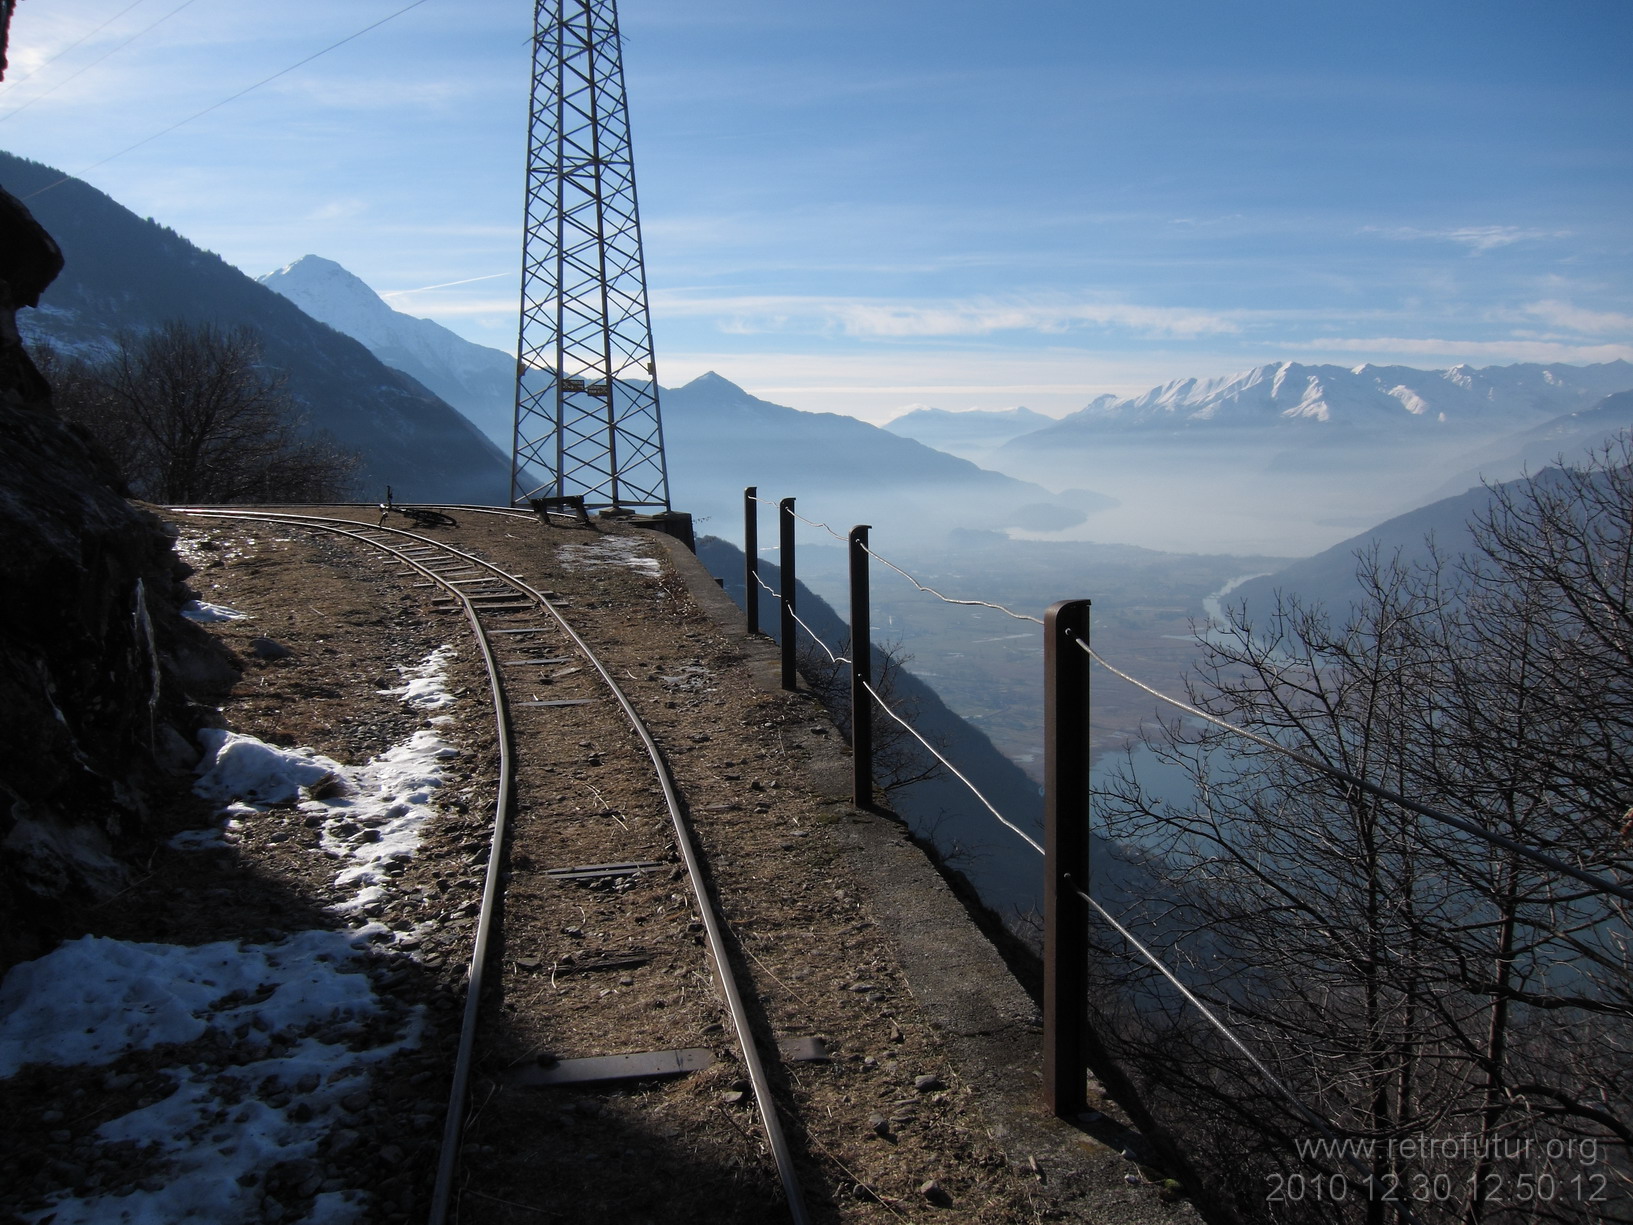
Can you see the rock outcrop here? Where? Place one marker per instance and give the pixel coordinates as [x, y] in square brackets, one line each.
[98, 669]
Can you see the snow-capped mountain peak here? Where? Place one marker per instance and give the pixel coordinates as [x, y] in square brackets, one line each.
[480, 382]
[330, 294]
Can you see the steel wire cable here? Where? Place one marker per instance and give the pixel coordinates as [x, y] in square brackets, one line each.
[800, 517]
[885, 561]
[767, 589]
[1383, 793]
[1008, 612]
[823, 526]
[974, 790]
[838, 659]
[1196, 1001]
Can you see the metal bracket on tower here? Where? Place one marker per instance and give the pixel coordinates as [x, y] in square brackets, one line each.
[587, 417]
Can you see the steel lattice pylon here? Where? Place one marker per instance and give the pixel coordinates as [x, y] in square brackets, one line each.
[586, 383]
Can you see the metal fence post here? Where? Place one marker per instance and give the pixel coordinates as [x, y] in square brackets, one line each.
[785, 566]
[1066, 856]
[861, 672]
[751, 558]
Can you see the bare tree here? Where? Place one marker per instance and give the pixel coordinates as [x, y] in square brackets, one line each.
[190, 414]
[1460, 1015]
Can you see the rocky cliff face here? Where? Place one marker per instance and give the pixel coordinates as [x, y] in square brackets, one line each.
[98, 670]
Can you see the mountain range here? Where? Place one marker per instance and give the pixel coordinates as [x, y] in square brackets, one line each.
[1380, 400]
[126, 274]
[1281, 460]
[1288, 458]
[718, 439]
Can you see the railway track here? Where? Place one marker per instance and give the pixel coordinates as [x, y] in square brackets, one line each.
[600, 934]
[528, 648]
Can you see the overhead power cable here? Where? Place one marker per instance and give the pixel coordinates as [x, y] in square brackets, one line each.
[87, 67]
[231, 98]
[78, 42]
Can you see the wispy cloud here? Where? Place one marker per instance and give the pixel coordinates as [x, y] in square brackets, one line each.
[863, 318]
[1579, 319]
[343, 209]
[1477, 238]
[470, 280]
[1454, 351]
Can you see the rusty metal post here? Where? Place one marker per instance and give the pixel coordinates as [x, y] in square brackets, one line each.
[751, 557]
[1066, 856]
[861, 672]
[785, 566]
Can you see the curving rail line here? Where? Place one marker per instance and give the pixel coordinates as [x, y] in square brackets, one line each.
[396, 543]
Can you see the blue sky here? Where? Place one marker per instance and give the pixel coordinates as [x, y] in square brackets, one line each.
[861, 207]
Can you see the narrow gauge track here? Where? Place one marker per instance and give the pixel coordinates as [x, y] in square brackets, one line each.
[493, 601]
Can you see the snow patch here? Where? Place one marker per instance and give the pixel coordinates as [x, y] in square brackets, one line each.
[425, 686]
[239, 767]
[198, 610]
[371, 816]
[611, 551]
[297, 1014]
[299, 1000]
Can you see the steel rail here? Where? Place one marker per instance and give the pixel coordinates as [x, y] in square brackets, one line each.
[685, 844]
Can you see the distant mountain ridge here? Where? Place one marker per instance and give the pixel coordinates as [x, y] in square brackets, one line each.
[719, 439]
[1329, 578]
[1366, 398]
[1569, 437]
[480, 382]
[970, 435]
[126, 274]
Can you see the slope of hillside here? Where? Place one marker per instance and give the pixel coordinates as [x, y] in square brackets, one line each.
[1329, 578]
[1567, 437]
[480, 382]
[124, 273]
